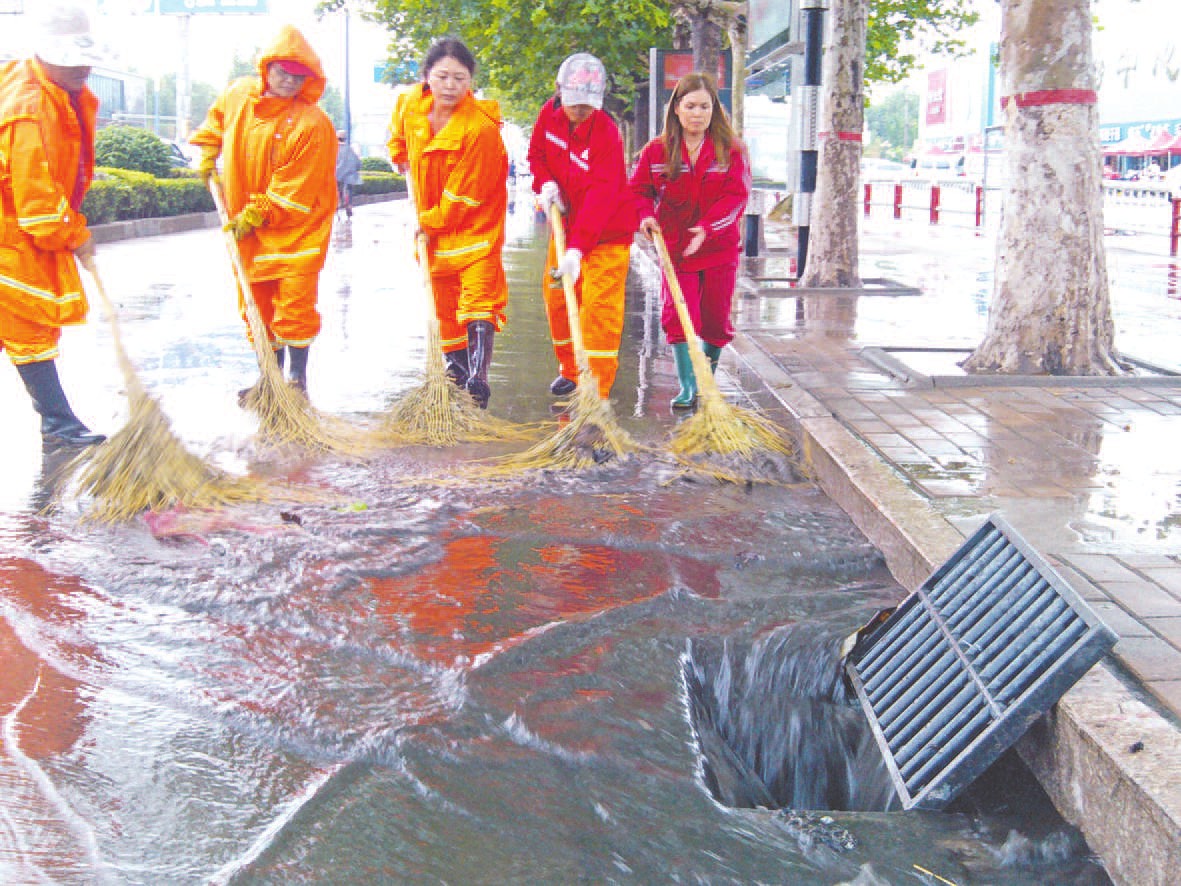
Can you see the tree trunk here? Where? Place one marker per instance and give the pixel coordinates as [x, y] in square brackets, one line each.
[737, 31]
[707, 44]
[1051, 311]
[833, 252]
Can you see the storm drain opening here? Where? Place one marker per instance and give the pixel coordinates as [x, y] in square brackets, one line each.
[909, 711]
[958, 672]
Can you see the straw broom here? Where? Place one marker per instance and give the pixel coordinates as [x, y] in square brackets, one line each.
[438, 412]
[592, 435]
[284, 413]
[144, 466]
[717, 427]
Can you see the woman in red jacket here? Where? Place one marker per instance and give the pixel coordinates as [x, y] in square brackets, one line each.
[694, 180]
[576, 157]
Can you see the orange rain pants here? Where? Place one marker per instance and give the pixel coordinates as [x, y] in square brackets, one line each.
[477, 292]
[600, 291]
[288, 309]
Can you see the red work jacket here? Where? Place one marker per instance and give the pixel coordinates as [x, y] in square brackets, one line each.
[587, 163]
[707, 194]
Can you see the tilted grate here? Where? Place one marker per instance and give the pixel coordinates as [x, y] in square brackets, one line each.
[967, 662]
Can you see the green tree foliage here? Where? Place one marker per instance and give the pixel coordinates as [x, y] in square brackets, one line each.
[519, 46]
[125, 147]
[333, 104]
[202, 96]
[894, 122]
[900, 28]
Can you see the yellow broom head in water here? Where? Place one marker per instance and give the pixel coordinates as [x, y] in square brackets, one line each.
[144, 466]
[588, 435]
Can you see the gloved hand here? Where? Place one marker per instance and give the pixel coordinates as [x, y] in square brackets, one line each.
[85, 251]
[207, 165]
[245, 221]
[570, 265]
[551, 195]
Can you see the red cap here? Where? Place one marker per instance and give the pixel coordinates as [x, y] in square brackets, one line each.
[294, 68]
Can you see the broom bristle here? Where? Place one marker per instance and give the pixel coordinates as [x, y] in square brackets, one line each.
[590, 437]
[143, 466]
[285, 417]
[438, 413]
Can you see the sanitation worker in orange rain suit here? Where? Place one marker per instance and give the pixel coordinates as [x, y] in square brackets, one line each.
[278, 151]
[458, 168]
[47, 124]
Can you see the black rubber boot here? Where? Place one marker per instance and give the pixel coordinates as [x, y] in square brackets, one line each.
[298, 371]
[59, 425]
[480, 334]
[245, 394]
[457, 367]
[561, 386]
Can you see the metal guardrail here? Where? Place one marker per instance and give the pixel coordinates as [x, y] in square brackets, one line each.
[1128, 207]
[958, 672]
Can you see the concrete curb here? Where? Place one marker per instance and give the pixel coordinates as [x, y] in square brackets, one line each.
[1107, 760]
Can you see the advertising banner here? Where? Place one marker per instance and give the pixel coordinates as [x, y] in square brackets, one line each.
[936, 97]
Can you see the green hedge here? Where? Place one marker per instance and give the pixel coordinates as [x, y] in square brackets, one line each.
[121, 194]
[375, 164]
[380, 183]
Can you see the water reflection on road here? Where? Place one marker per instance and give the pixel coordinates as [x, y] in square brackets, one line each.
[405, 681]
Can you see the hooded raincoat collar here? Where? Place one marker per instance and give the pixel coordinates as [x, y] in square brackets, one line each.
[293, 46]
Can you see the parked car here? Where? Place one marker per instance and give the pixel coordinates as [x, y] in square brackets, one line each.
[936, 168]
[178, 157]
[880, 168]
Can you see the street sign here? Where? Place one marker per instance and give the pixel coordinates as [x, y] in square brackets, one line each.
[401, 72]
[196, 7]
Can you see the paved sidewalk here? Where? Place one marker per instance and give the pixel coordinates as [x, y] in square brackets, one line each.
[1088, 471]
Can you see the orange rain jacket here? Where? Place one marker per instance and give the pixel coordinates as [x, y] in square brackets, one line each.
[46, 160]
[458, 175]
[280, 155]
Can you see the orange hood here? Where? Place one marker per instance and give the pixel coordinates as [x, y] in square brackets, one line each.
[291, 45]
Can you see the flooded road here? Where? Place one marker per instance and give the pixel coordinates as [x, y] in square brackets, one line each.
[401, 680]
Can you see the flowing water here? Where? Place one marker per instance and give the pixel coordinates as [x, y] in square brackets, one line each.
[414, 676]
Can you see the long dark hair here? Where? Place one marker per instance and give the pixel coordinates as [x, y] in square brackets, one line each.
[720, 132]
[448, 47]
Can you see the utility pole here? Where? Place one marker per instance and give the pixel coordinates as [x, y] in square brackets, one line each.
[812, 22]
[348, 109]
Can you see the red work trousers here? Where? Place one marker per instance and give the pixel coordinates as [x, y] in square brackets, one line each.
[709, 295]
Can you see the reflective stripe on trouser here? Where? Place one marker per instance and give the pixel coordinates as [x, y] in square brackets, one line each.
[709, 295]
[600, 290]
[288, 309]
[26, 341]
[478, 292]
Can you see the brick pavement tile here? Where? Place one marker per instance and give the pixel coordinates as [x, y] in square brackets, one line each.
[1168, 578]
[1142, 599]
[1149, 658]
[1101, 568]
[1120, 621]
[1168, 691]
[1082, 586]
[1169, 629]
[1150, 561]
[948, 488]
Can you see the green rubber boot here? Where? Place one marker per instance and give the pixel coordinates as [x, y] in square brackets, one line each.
[688, 393]
[713, 352]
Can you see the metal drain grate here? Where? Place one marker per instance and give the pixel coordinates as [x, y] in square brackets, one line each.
[967, 662]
